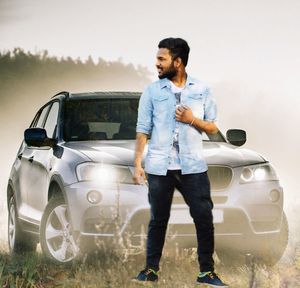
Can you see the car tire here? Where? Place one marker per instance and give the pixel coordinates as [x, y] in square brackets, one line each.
[58, 241]
[19, 241]
[268, 250]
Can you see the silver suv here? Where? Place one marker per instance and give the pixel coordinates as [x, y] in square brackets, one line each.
[72, 181]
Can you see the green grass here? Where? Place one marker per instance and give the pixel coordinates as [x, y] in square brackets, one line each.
[112, 269]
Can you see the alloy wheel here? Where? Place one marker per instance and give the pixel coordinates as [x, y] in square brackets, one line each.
[11, 225]
[59, 236]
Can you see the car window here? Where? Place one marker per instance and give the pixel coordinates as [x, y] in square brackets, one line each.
[51, 122]
[100, 119]
[41, 118]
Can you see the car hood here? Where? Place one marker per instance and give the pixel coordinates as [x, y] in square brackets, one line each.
[121, 152]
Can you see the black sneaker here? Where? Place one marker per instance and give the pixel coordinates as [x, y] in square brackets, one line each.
[210, 279]
[145, 275]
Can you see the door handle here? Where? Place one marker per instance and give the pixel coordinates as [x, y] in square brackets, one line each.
[20, 156]
[30, 159]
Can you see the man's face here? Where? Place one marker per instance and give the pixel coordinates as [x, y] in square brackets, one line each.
[165, 64]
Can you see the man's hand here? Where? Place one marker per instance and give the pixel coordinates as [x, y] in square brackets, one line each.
[184, 114]
[139, 175]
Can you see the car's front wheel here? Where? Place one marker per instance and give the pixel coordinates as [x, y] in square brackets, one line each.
[58, 241]
[18, 240]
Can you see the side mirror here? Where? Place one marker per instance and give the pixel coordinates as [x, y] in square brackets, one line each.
[37, 137]
[236, 137]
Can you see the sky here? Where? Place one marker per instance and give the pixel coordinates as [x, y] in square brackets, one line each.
[228, 38]
[247, 51]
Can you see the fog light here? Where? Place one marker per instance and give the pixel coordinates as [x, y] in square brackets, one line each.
[94, 197]
[274, 195]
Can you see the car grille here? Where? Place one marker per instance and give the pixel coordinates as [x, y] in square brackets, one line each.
[220, 177]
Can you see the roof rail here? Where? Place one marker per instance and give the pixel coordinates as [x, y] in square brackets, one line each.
[66, 93]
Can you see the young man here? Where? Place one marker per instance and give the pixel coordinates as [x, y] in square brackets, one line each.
[175, 110]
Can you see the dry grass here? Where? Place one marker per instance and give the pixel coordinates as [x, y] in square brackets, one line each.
[111, 268]
[114, 268]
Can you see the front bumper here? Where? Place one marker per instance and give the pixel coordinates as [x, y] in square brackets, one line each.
[241, 212]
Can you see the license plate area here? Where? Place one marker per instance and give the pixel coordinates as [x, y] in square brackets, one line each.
[182, 216]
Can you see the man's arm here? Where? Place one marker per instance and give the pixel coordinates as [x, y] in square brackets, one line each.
[139, 173]
[143, 129]
[185, 115]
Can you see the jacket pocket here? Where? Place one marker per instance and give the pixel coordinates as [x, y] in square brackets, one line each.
[160, 103]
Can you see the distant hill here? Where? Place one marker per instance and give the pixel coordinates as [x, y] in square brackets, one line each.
[28, 80]
[28, 76]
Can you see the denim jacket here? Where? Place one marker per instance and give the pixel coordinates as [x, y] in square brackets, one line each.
[156, 116]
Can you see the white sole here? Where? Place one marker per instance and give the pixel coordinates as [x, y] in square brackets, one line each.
[210, 285]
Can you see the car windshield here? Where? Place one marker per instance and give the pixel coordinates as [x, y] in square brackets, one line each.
[100, 119]
[105, 119]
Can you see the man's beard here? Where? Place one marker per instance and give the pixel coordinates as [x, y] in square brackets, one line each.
[169, 74]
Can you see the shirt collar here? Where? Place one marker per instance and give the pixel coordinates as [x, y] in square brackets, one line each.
[166, 82]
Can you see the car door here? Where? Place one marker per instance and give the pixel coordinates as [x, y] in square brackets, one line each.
[23, 165]
[41, 167]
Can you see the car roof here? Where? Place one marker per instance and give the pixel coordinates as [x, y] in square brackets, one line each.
[95, 95]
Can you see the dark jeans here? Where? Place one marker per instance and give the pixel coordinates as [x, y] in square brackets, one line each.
[195, 189]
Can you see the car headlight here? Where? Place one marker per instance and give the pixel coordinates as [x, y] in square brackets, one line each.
[256, 173]
[103, 173]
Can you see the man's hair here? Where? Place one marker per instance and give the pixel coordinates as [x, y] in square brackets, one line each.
[178, 48]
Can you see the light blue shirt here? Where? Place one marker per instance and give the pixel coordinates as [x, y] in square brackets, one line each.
[156, 116]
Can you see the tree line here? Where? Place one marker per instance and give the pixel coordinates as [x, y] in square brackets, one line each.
[27, 80]
[18, 69]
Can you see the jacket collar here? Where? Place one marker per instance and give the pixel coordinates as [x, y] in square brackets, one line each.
[167, 83]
